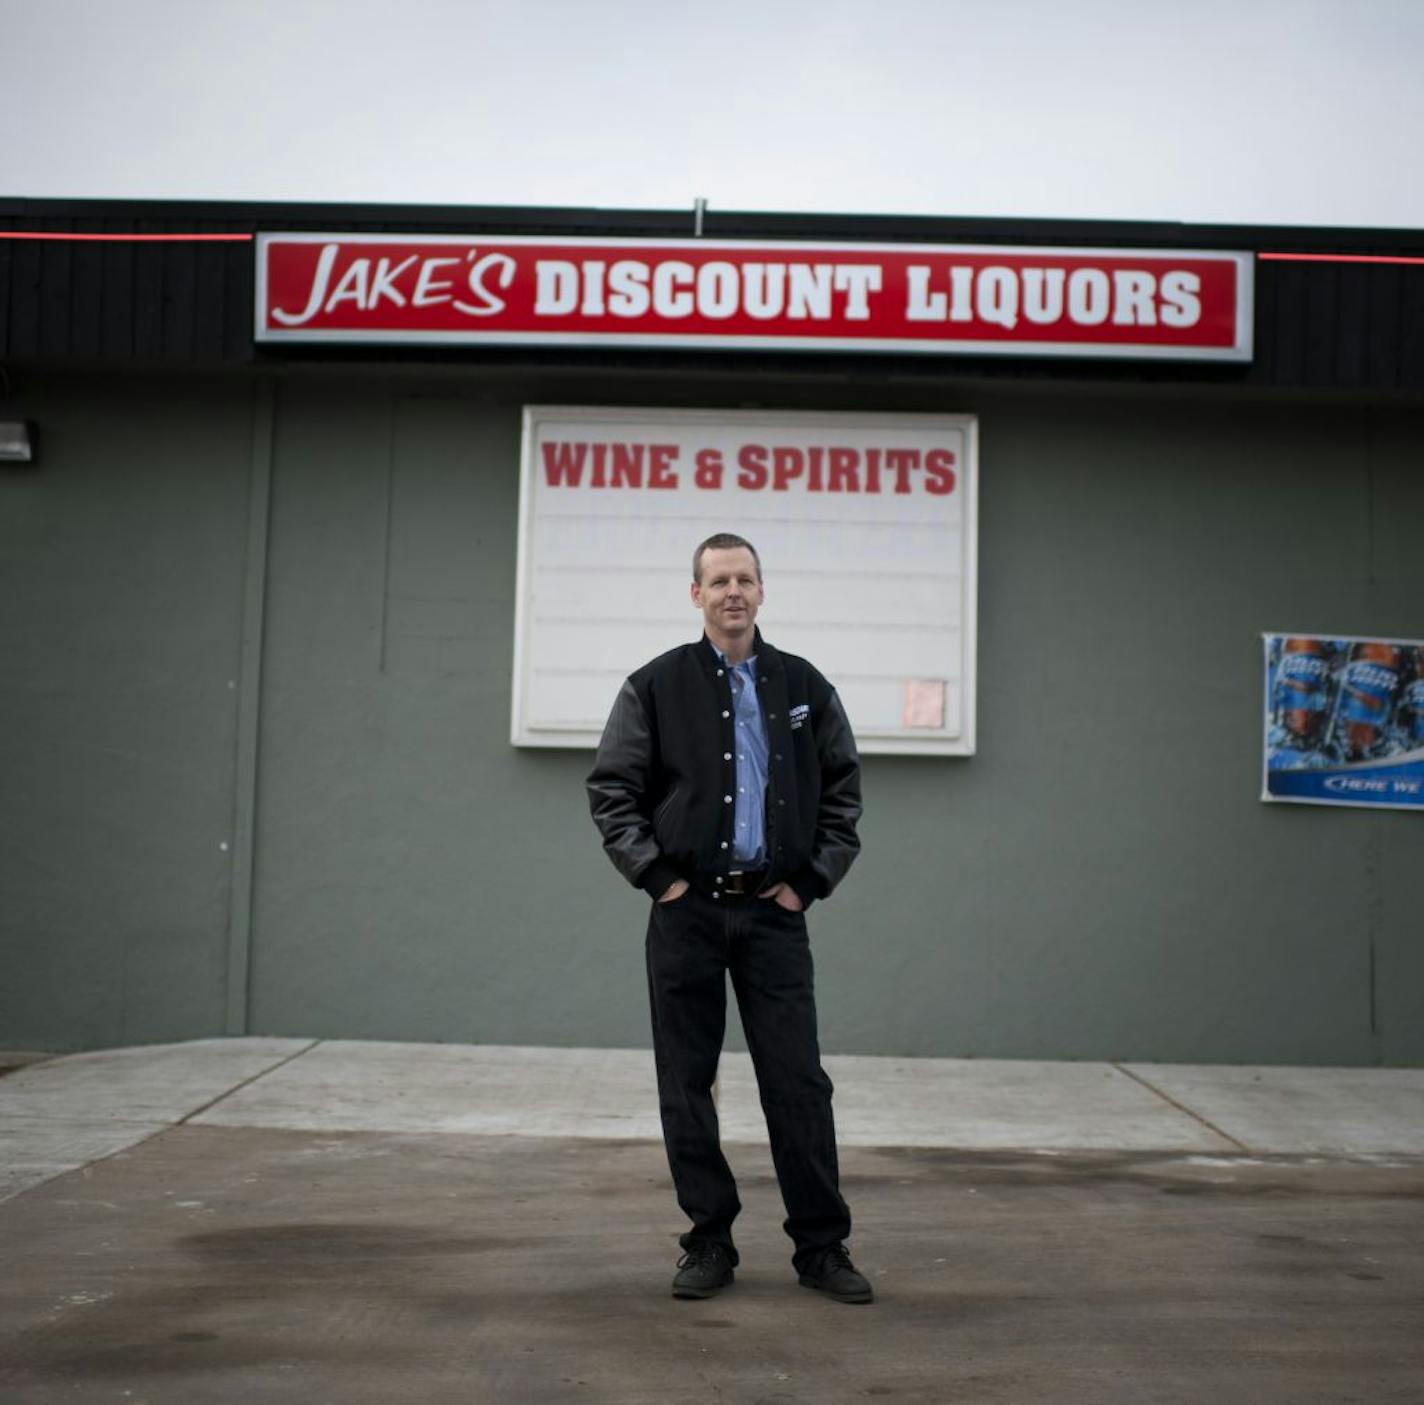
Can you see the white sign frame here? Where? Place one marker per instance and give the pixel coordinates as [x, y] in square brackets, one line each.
[960, 740]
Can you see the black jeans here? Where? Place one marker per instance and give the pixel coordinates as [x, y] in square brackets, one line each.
[693, 943]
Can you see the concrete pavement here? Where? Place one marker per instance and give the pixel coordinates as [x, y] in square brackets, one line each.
[304, 1220]
[62, 1113]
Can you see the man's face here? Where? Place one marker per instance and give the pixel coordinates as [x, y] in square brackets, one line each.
[729, 593]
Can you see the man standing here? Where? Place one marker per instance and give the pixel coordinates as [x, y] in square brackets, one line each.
[727, 787]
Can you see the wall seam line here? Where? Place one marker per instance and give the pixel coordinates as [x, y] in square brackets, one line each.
[249, 703]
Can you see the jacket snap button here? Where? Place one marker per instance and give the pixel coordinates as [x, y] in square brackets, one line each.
[727, 800]
[725, 713]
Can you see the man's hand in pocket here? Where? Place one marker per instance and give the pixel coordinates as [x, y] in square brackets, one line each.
[783, 895]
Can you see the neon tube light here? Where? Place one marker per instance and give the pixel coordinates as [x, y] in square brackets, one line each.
[1338, 258]
[67, 238]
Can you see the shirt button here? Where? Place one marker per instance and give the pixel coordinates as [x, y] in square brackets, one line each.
[741, 790]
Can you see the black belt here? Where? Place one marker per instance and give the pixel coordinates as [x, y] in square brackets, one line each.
[746, 884]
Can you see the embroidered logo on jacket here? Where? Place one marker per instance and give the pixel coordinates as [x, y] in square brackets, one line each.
[799, 714]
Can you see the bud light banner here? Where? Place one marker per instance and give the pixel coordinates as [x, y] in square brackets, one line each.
[1344, 721]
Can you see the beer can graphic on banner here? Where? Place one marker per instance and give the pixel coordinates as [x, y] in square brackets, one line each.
[1302, 691]
[1344, 721]
[1411, 704]
[1364, 702]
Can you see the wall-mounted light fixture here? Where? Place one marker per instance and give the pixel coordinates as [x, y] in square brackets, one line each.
[17, 441]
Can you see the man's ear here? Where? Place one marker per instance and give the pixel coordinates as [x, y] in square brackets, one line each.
[696, 593]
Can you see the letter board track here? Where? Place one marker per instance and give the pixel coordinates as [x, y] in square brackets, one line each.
[866, 529]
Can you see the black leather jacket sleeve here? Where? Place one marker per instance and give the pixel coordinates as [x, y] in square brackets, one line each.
[619, 795]
[836, 843]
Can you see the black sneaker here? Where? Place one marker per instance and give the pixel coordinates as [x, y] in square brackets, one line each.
[832, 1273]
[703, 1271]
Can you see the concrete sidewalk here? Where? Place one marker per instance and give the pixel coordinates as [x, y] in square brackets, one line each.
[330, 1221]
[60, 1114]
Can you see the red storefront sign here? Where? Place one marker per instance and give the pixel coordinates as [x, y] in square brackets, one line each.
[496, 290]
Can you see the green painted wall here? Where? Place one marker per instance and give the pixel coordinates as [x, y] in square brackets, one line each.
[121, 559]
[1101, 881]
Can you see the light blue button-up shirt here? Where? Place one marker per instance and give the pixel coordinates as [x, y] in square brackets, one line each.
[752, 750]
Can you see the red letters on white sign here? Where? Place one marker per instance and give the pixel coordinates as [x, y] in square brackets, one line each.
[812, 468]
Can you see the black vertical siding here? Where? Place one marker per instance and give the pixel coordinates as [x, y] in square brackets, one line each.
[124, 300]
[7, 257]
[55, 297]
[208, 294]
[1355, 326]
[116, 307]
[1411, 329]
[1352, 322]
[1321, 285]
[177, 290]
[1382, 343]
[1289, 330]
[86, 307]
[24, 296]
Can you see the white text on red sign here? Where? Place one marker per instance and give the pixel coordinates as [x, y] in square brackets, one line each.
[1046, 301]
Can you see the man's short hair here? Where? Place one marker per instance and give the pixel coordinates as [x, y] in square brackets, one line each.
[722, 541]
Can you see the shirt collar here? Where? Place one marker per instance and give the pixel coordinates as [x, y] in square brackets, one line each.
[748, 663]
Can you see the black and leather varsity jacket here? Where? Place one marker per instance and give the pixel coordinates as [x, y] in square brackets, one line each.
[662, 784]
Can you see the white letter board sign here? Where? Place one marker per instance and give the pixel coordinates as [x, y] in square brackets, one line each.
[865, 524]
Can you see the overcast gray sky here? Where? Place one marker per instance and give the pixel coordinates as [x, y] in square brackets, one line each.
[1258, 111]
